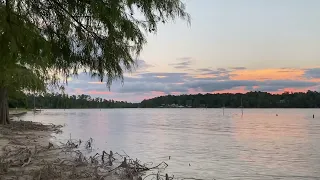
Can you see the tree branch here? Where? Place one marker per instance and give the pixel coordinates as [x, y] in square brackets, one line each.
[76, 20]
[8, 11]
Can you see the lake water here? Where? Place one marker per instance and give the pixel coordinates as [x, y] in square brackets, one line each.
[257, 145]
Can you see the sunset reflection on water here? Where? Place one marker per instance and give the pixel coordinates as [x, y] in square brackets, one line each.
[274, 142]
[258, 145]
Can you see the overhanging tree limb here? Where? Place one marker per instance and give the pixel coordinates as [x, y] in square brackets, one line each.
[56, 36]
[75, 19]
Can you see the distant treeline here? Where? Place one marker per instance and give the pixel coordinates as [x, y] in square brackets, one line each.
[60, 101]
[310, 99]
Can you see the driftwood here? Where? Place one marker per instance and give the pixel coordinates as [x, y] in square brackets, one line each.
[75, 165]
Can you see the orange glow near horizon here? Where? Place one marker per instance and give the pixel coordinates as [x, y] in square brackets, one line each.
[315, 80]
[268, 74]
[199, 76]
[257, 75]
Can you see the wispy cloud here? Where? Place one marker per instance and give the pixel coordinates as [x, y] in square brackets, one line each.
[204, 70]
[183, 63]
[142, 64]
[238, 68]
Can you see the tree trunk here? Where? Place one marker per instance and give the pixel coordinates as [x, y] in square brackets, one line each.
[4, 108]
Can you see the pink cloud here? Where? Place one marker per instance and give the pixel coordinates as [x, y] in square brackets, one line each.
[194, 91]
[78, 91]
[175, 93]
[157, 93]
[240, 80]
[294, 90]
[150, 95]
[241, 89]
[98, 92]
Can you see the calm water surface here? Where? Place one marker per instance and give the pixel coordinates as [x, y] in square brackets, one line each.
[257, 145]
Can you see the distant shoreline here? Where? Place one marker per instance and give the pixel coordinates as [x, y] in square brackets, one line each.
[309, 99]
[187, 108]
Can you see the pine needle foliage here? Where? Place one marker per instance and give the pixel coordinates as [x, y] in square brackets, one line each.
[41, 40]
[63, 36]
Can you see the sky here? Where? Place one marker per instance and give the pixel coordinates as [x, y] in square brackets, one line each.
[230, 46]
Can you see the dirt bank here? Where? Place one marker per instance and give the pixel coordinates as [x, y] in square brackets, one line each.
[27, 153]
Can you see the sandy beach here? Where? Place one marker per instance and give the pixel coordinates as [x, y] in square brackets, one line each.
[24, 149]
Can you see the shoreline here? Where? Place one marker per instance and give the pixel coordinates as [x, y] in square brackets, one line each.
[23, 145]
[11, 112]
[17, 113]
[27, 153]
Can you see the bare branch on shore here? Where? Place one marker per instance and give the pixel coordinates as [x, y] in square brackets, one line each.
[72, 163]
